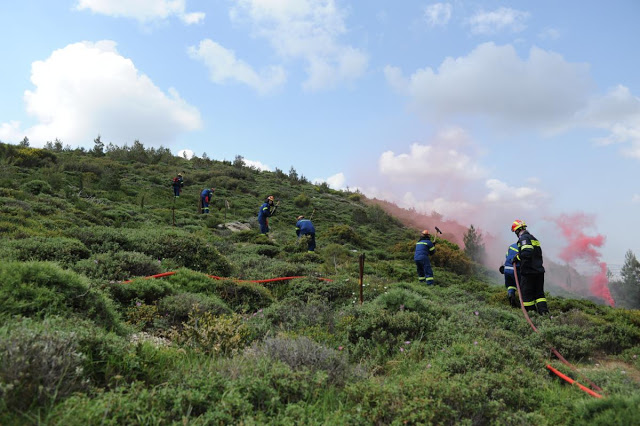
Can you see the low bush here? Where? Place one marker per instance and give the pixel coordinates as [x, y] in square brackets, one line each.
[58, 249]
[344, 234]
[36, 187]
[331, 292]
[176, 308]
[119, 265]
[302, 352]
[38, 365]
[211, 334]
[144, 290]
[38, 289]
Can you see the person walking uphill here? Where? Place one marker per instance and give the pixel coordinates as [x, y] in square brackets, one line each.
[206, 196]
[424, 248]
[305, 227]
[509, 276]
[177, 183]
[267, 210]
[531, 269]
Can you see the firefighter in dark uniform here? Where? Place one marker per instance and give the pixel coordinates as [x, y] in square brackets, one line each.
[531, 269]
[509, 277]
[304, 227]
[267, 209]
[424, 248]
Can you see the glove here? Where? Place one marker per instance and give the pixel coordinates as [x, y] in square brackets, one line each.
[501, 269]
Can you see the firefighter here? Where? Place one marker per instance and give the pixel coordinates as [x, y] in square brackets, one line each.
[305, 227]
[266, 210]
[206, 196]
[424, 248]
[531, 269]
[509, 276]
[177, 183]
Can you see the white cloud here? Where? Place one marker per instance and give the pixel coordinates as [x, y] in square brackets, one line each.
[308, 30]
[500, 19]
[224, 66]
[257, 165]
[142, 10]
[618, 111]
[336, 181]
[549, 34]
[635, 199]
[438, 14]
[186, 153]
[493, 82]
[86, 89]
[505, 196]
[447, 208]
[444, 157]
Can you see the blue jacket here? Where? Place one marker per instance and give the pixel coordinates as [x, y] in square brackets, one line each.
[304, 227]
[208, 193]
[424, 249]
[265, 211]
[512, 252]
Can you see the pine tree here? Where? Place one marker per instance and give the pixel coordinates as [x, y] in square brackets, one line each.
[630, 274]
[473, 245]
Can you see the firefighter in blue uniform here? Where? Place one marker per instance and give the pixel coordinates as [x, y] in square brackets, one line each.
[531, 269]
[206, 196]
[424, 248]
[305, 227]
[509, 276]
[178, 183]
[266, 211]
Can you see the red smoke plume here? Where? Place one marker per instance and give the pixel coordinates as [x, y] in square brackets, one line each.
[585, 248]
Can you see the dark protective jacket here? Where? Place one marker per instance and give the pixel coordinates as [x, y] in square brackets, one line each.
[206, 195]
[512, 252]
[424, 249]
[265, 211]
[529, 254]
[304, 227]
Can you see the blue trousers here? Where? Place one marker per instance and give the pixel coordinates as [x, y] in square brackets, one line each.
[425, 273]
[205, 205]
[311, 241]
[264, 226]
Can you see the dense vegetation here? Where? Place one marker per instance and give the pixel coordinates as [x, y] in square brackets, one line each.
[78, 346]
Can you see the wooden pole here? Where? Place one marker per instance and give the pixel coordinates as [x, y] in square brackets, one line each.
[361, 260]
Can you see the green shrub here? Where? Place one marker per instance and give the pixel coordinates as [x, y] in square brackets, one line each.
[36, 187]
[217, 335]
[144, 290]
[375, 333]
[59, 249]
[120, 265]
[239, 296]
[344, 234]
[37, 289]
[38, 365]
[176, 308]
[302, 352]
[328, 291]
[302, 201]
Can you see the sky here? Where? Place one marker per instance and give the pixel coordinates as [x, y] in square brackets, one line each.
[481, 111]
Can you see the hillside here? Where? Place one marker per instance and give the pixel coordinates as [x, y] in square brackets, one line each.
[79, 346]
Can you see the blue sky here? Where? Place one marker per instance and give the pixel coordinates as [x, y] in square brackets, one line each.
[483, 111]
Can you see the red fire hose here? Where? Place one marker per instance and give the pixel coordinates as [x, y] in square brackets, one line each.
[555, 352]
[166, 274]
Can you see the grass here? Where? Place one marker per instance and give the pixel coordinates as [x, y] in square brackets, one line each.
[192, 350]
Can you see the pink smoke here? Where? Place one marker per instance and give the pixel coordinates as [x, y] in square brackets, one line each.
[585, 248]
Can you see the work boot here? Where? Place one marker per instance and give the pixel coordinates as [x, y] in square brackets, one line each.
[513, 301]
[542, 308]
